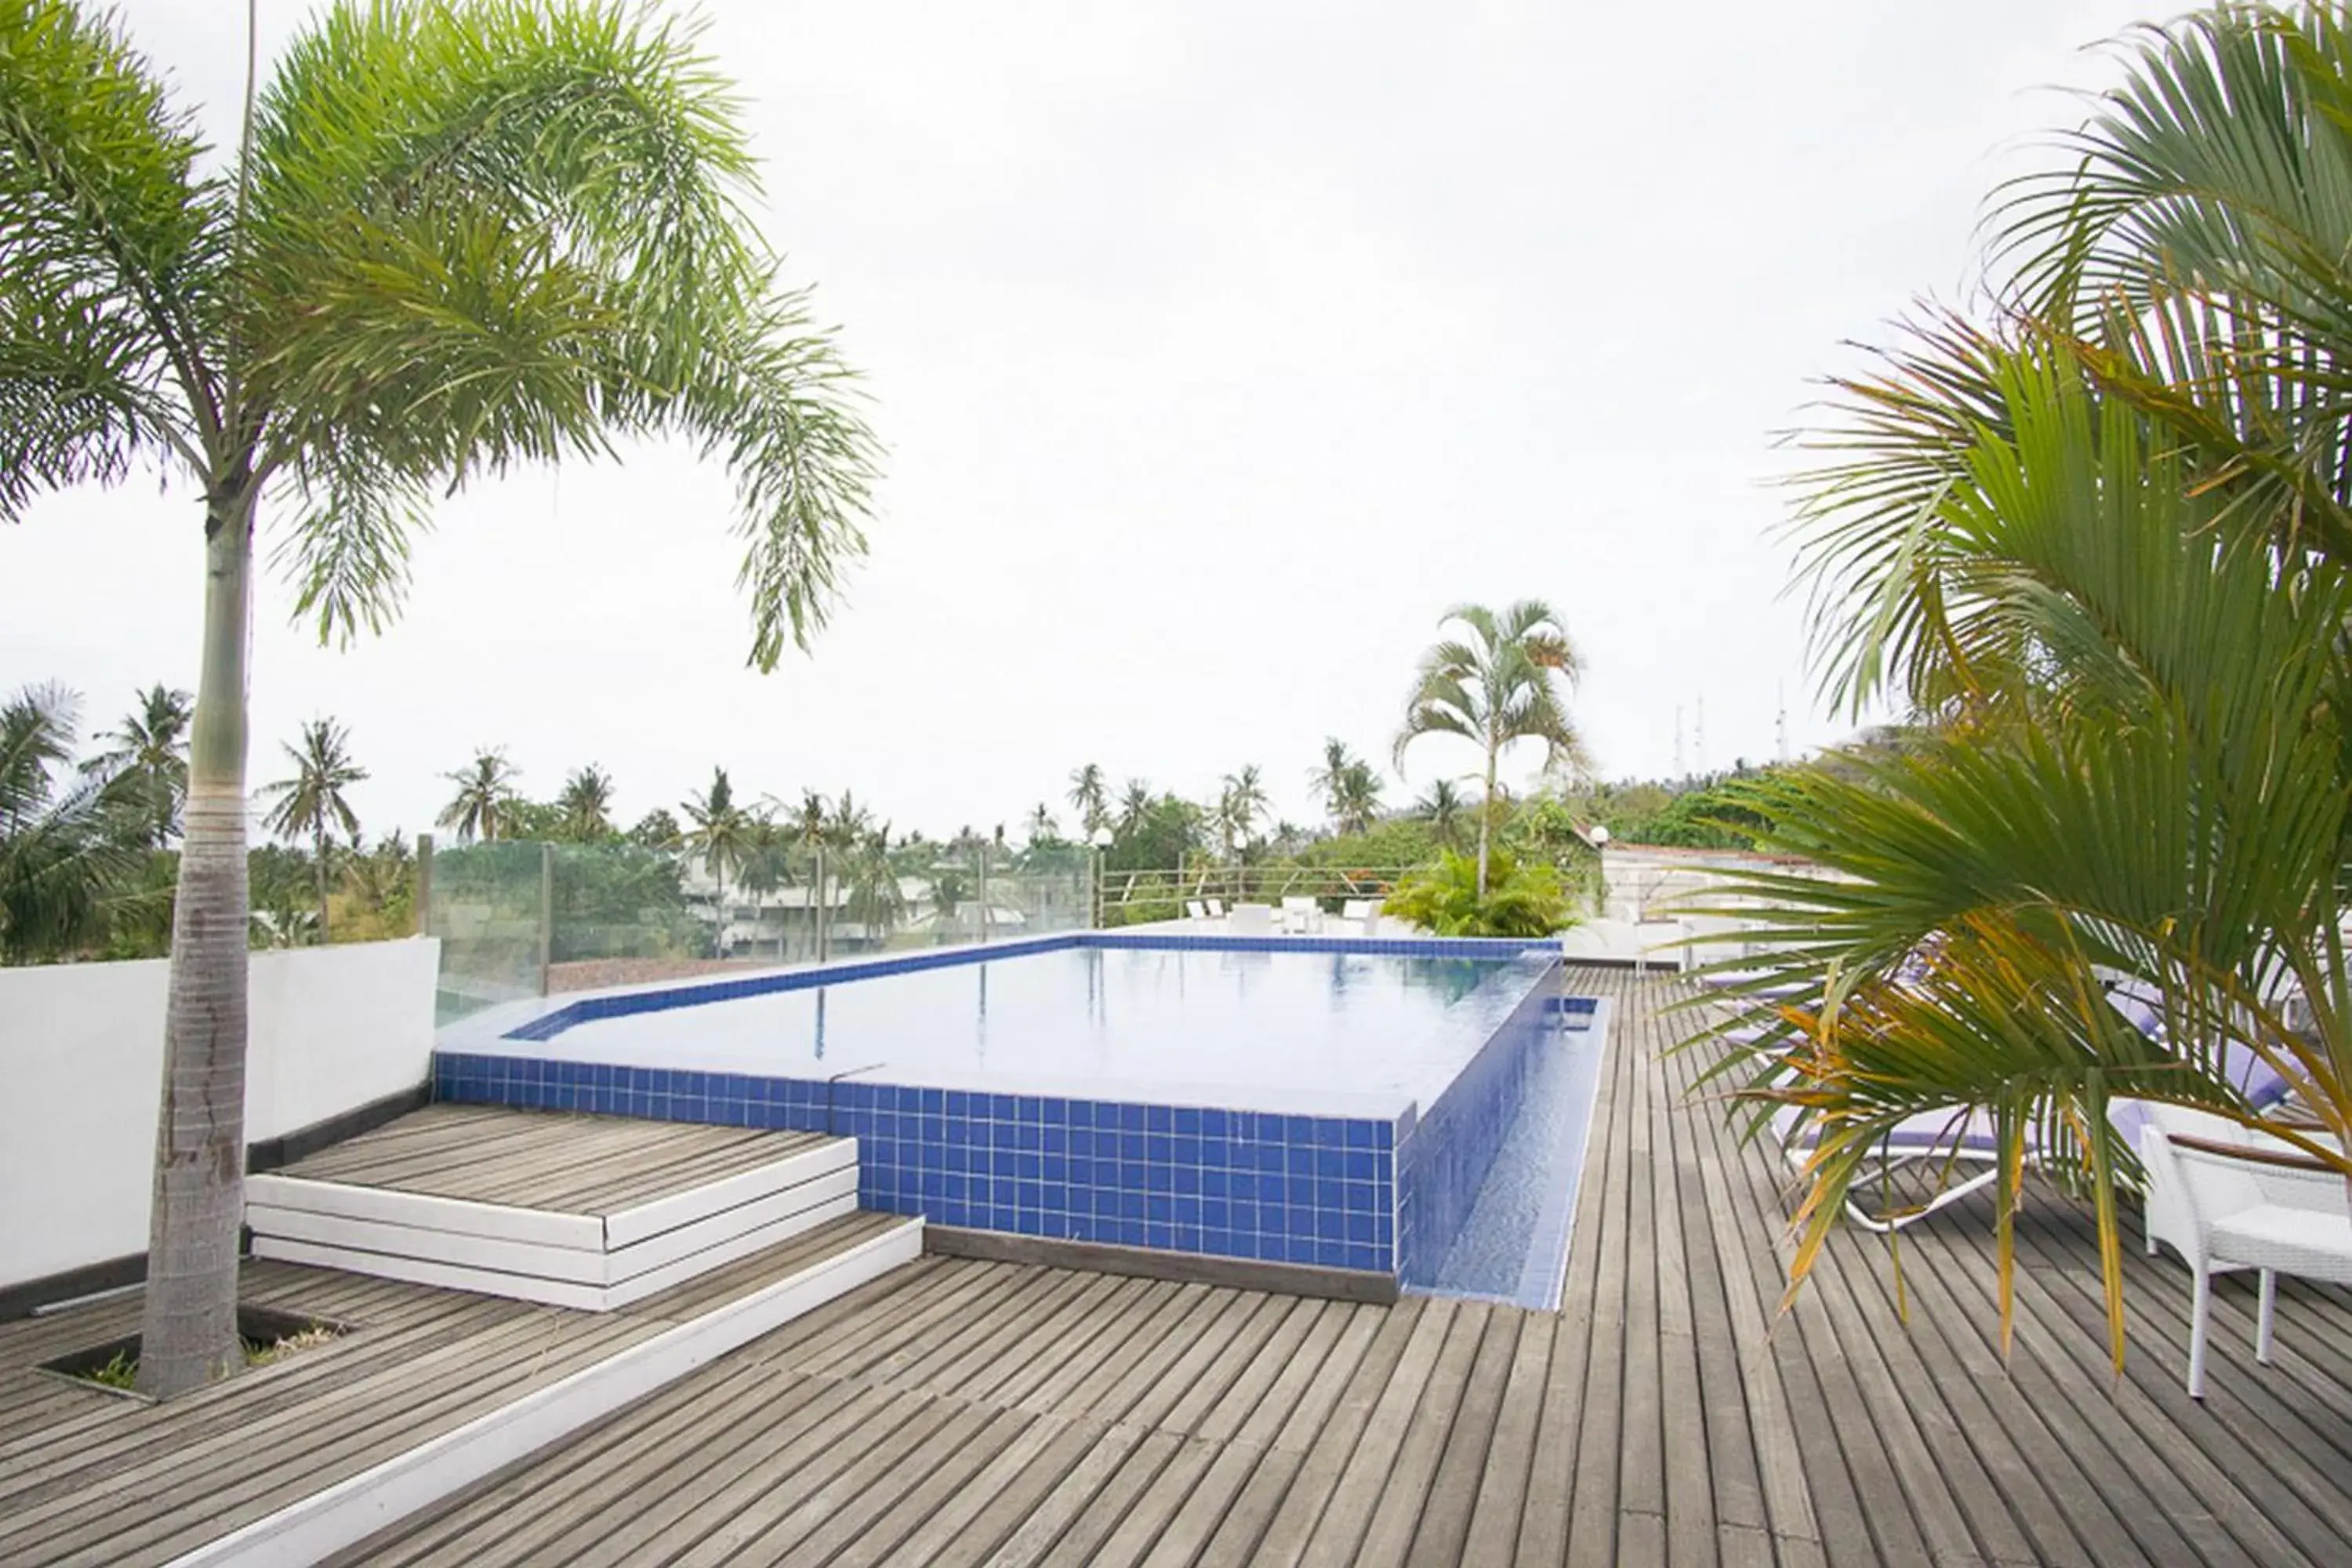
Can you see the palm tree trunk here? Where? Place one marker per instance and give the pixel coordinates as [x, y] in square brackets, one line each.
[719, 932]
[1485, 816]
[188, 1328]
[319, 867]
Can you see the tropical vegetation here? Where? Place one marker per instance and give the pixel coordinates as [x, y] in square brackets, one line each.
[2098, 544]
[1460, 897]
[311, 804]
[1496, 688]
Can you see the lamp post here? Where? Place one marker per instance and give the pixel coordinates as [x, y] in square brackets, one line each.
[1101, 841]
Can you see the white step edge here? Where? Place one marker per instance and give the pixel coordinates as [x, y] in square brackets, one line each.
[568, 1264]
[551, 1292]
[547, 1228]
[584, 1232]
[354, 1509]
[627, 1228]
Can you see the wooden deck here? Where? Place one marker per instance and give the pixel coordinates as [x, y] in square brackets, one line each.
[967, 1412]
[545, 1160]
[87, 1477]
[960, 1411]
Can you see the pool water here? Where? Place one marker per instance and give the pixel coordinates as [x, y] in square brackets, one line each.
[1265, 1030]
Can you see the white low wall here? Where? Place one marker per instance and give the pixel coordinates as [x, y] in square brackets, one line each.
[82, 1069]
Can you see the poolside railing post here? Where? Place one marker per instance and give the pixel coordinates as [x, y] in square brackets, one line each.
[824, 911]
[423, 898]
[547, 913]
[983, 893]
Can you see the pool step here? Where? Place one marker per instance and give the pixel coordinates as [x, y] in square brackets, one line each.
[585, 1212]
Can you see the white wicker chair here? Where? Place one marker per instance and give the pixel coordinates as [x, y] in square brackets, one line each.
[2227, 1198]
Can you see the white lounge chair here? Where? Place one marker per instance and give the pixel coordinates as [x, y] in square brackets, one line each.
[2227, 1198]
[1251, 920]
[1195, 910]
[1301, 915]
[1363, 912]
[1216, 909]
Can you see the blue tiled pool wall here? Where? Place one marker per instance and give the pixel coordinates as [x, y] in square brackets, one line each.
[1315, 1190]
[588, 1009]
[1442, 1160]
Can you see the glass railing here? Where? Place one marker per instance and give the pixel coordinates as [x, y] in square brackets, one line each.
[522, 919]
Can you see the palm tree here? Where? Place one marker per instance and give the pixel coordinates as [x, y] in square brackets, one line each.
[767, 860]
[311, 805]
[1356, 804]
[453, 237]
[61, 854]
[1090, 797]
[1042, 826]
[721, 834]
[151, 746]
[586, 803]
[875, 901]
[1443, 808]
[809, 820]
[486, 789]
[1330, 779]
[1494, 690]
[1134, 805]
[1241, 801]
[2103, 550]
[850, 823]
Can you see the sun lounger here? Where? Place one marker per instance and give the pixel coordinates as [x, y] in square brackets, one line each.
[1251, 920]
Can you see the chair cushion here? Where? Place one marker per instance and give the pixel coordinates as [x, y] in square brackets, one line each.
[2307, 1243]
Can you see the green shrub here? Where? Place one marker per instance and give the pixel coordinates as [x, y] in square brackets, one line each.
[1521, 900]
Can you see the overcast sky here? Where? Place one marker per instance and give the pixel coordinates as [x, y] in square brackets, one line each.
[1218, 348]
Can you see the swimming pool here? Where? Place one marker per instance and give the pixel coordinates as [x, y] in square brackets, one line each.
[1336, 1103]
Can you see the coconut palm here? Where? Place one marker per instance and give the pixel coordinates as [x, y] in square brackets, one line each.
[850, 823]
[1134, 805]
[486, 791]
[1444, 810]
[311, 805]
[1090, 798]
[1497, 688]
[150, 747]
[1241, 801]
[809, 819]
[1042, 827]
[875, 898]
[2100, 547]
[1330, 778]
[1356, 804]
[585, 805]
[721, 832]
[453, 237]
[65, 842]
[767, 860]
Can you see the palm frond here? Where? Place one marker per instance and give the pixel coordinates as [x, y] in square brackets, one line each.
[111, 260]
[486, 233]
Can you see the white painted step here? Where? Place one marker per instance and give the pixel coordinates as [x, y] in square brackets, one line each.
[589, 1262]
